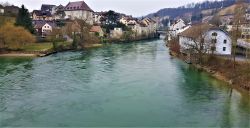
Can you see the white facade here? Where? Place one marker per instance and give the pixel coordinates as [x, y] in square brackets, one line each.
[178, 25]
[177, 28]
[123, 20]
[46, 29]
[1, 11]
[223, 45]
[97, 18]
[116, 33]
[80, 14]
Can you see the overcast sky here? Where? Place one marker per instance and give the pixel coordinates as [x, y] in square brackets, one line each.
[131, 7]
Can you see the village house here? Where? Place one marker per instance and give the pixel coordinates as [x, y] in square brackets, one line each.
[116, 33]
[97, 30]
[176, 28]
[58, 12]
[79, 10]
[127, 20]
[11, 10]
[243, 47]
[214, 38]
[1, 10]
[124, 20]
[97, 17]
[248, 14]
[48, 8]
[245, 31]
[41, 15]
[44, 28]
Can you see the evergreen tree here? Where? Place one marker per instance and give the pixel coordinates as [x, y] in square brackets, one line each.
[23, 19]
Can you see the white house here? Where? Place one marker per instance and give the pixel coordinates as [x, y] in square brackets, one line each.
[1, 9]
[47, 28]
[179, 24]
[116, 33]
[176, 28]
[245, 31]
[97, 17]
[212, 37]
[79, 10]
[44, 28]
[124, 20]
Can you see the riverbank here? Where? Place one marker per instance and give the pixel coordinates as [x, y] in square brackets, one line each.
[222, 69]
[45, 49]
[38, 52]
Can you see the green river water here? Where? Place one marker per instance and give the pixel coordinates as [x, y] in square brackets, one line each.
[119, 85]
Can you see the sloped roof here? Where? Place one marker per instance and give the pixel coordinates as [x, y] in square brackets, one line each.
[196, 30]
[40, 23]
[60, 7]
[42, 13]
[79, 5]
[47, 7]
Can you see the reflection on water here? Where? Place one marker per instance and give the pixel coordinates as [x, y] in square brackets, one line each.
[134, 84]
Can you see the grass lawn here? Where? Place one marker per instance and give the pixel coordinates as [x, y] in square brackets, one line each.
[43, 46]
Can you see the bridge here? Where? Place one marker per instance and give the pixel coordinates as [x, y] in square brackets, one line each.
[162, 32]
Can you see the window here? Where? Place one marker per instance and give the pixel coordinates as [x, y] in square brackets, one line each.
[224, 49]
[225, 41]
[214, 34]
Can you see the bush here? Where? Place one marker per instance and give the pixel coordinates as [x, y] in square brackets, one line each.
[174, 45]
[12, 37]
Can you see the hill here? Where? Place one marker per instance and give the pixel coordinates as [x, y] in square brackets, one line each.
[229, 10]
[196, 9]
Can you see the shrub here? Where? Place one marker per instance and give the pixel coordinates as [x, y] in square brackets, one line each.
[12, 37]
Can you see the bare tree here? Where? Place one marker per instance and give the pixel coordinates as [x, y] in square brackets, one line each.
[196, 46]
[239, 18]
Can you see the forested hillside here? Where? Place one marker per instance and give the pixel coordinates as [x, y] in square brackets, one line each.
[194, 8]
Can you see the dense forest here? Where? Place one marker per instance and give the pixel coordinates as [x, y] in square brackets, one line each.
[193, 8]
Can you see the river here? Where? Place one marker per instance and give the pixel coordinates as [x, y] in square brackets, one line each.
[125, 85]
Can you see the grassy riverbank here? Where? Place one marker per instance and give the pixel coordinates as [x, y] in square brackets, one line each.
[41, 49]
[223, 69]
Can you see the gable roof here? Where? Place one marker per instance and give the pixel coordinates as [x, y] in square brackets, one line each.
[196, 30]
[40, 23]
[60, 7]
[47, 7]
[79, 5]
[42, 13]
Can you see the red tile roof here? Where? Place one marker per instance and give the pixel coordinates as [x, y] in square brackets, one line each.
[96, 29]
